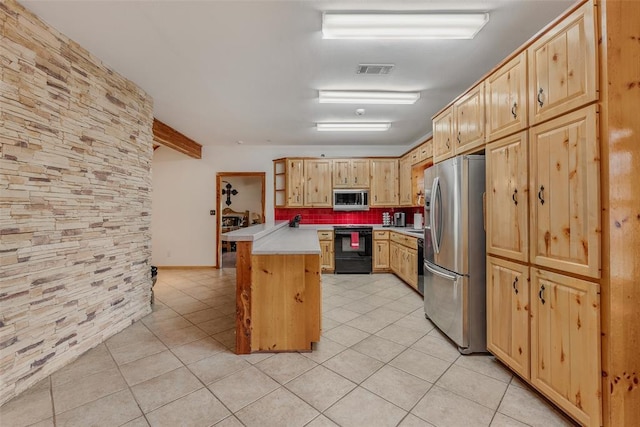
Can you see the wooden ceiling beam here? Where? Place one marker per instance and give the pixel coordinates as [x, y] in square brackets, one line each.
[169, 137]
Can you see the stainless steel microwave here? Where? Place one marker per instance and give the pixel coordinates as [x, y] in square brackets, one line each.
[350, 200]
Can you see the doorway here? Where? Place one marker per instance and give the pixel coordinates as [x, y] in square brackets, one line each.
[240, 202]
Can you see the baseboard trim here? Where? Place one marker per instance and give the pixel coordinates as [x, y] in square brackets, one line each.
[186, 267]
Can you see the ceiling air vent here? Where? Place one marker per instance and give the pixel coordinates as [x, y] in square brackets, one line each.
[375, 69]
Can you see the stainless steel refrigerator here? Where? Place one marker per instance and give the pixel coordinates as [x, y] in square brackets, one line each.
[454, 252]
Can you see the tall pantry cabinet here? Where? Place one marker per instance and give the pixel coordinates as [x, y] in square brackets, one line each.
[562, 209]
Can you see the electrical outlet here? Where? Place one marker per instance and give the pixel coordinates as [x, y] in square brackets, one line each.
[212, 212]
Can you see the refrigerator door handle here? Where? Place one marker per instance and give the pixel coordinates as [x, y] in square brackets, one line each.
[432, 214]
[442, 274]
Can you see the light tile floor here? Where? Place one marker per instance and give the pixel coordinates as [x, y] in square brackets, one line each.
[379, 363]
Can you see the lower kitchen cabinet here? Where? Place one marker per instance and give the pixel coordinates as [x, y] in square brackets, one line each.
[381, 251]
[565, 343]
[404, 258]
[326, 251]
[508, 313]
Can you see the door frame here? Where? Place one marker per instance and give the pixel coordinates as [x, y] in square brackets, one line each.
[220, 176]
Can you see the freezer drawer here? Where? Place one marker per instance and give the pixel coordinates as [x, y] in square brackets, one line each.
[445, 304]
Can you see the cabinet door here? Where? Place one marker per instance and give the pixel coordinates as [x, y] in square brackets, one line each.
[443, 135]
[327, 255]
[394, 257]
[562, 66]
[317, 183]
[360, 172]
[426, 150]
[384, 182]
[507, 197]
[411, 267]
[508, 313]
[469, 120]
[381, 255]
[565, 193]
[341, 169]
[565, 343]
[506, 98]
[406, 198]
[295, 183]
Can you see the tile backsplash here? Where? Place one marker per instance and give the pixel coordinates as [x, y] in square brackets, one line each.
[329, 216]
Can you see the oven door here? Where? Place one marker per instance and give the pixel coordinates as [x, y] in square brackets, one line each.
[350, 258]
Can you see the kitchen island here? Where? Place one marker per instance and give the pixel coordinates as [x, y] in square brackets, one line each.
[278, 295]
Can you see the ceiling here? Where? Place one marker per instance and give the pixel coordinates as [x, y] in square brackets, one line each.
[250, 71]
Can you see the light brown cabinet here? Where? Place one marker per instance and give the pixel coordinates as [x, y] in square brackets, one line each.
[468, 116]
[288, 183]
[384, 182]
[381, 251]
[425, 150]
[508, 313]
[404, 258]
[562, 66]
[317, 183]
[565, 343]
[443, 135]
[506, 98]
[507, 197]
[406, 183]
[351, 173]
[327, 263]
[565, 193]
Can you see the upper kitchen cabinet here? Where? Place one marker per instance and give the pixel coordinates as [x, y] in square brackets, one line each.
[506, 98]
[425, 150]
[351, 173]
[443, 135]
[562, 66]
[288, 183]
[406, 183]
[468, 120]
[507, 197]
[565, 193]
[384, 182]
[317, 178]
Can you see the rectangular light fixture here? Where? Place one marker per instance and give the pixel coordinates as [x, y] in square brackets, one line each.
[402, 25]
[353, 127]
[367, 97]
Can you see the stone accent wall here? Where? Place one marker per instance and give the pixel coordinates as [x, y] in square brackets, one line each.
[75, 200]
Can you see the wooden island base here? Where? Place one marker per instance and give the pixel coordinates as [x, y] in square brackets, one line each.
[278, 301]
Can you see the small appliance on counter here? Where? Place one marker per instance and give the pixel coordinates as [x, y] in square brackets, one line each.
[399, 219]
[295, 221]
[386, 219]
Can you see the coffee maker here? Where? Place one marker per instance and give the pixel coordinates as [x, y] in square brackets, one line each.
[399, 219]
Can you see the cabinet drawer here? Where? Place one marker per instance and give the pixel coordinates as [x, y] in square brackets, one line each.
[381, 235]
[408, 241]
[325, 235]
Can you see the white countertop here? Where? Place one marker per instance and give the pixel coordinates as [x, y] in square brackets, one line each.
[253, 233]
[410, 231]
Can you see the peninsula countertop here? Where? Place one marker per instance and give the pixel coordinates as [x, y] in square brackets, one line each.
[276, 238]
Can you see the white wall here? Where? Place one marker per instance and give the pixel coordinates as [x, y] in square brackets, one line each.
[183, 232]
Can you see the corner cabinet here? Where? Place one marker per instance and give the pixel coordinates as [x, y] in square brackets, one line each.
[565, 343]
[506, 98]
[443, 135]
[468, 116]
[317, 174]
[565, 193]
[507, 197]
[384, 182]
[508, 313]
[288, 183]
[562, 66]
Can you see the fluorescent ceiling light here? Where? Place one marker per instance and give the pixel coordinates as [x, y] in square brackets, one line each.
[353, 127]
[402, 25]
[367, 97]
